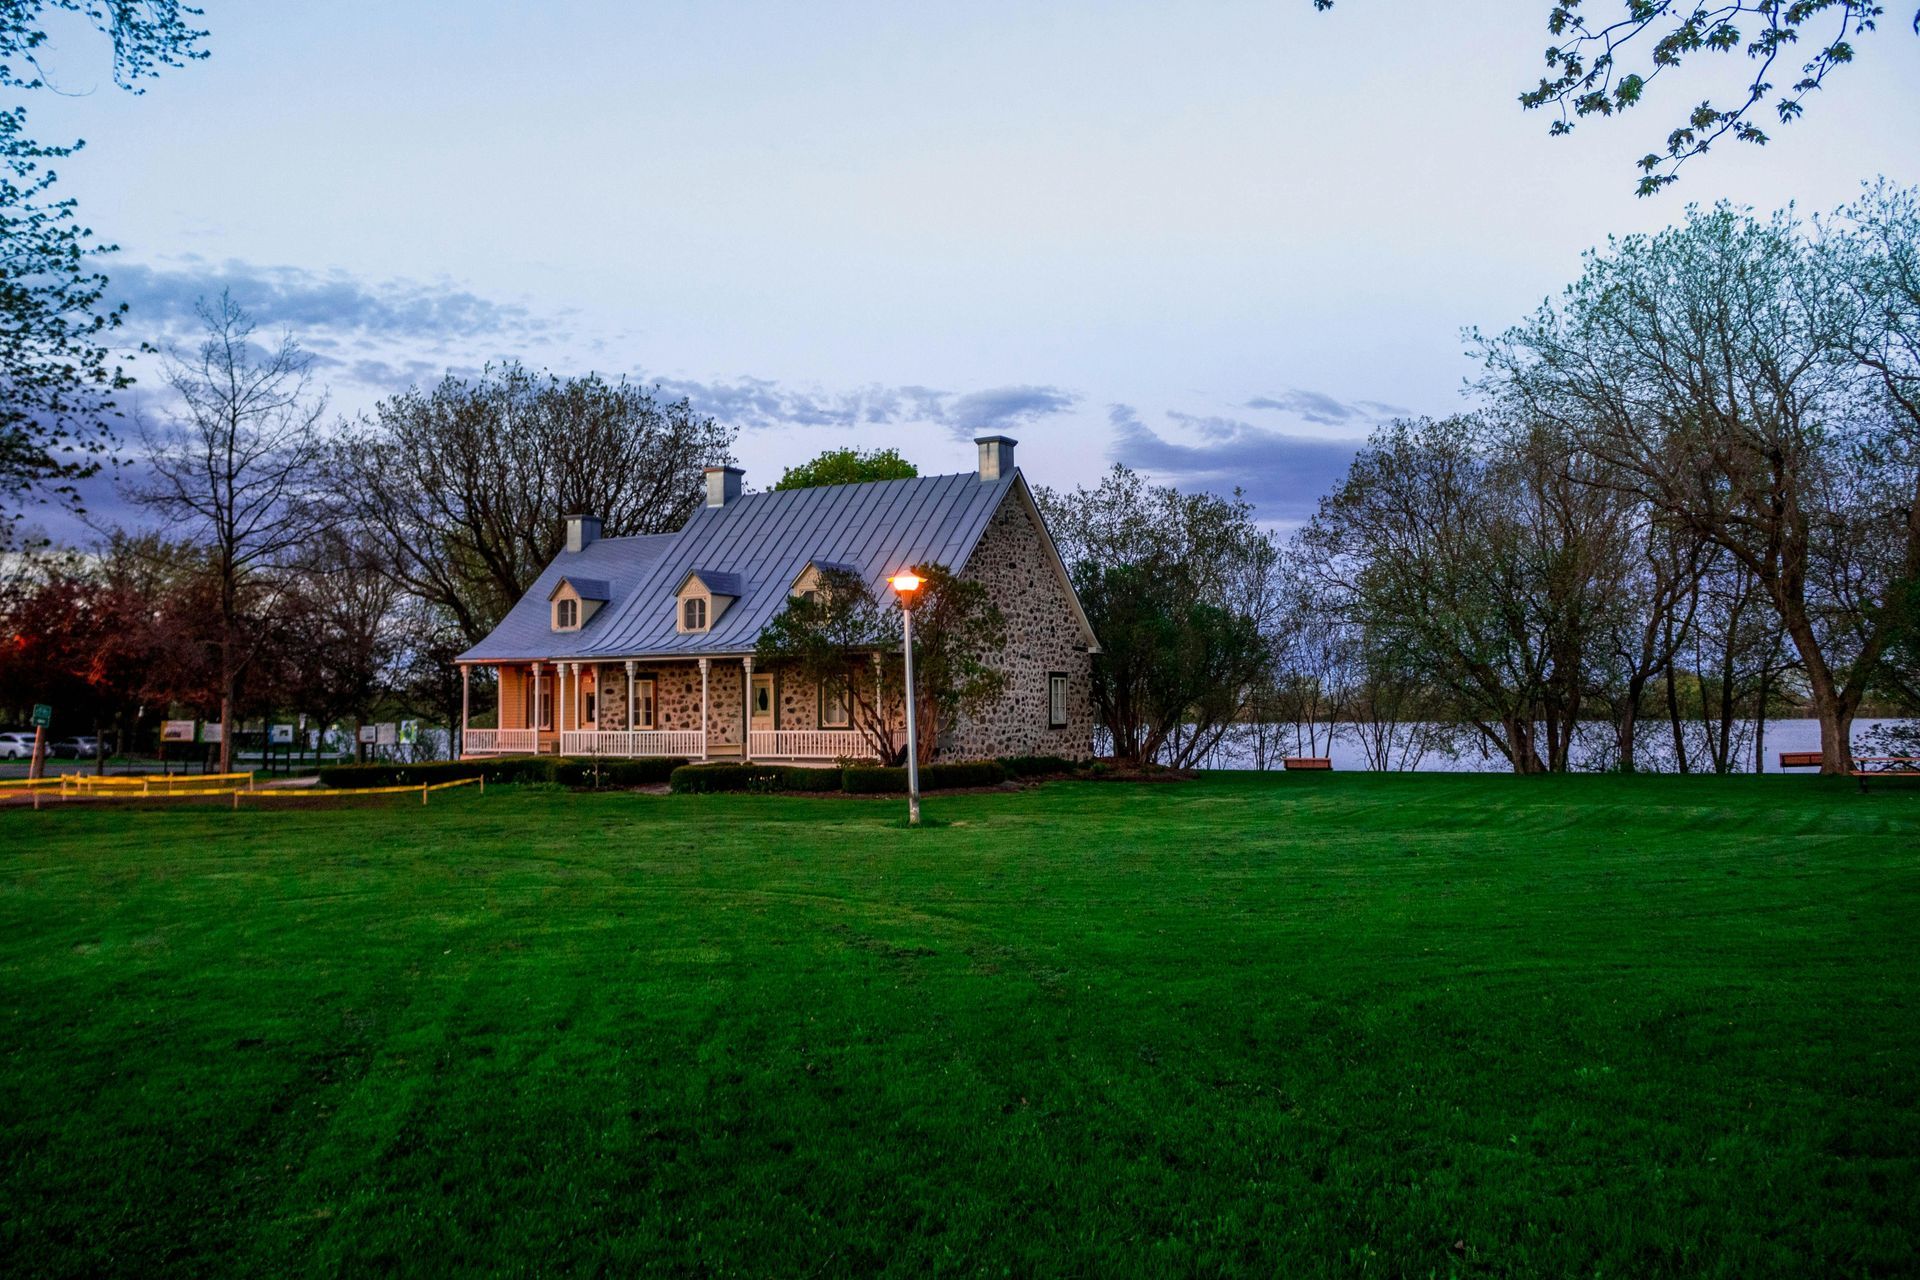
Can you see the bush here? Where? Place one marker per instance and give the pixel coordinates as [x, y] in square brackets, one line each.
[696, 779]
[1036, 766]
[413, 775]
[934, 777]
[645, 771]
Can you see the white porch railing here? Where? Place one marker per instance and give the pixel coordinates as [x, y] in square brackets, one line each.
[690, 743]
[807, 744]
[498, 742]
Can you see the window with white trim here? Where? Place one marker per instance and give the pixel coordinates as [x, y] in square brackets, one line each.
[1056, 699]
[643, 702]
[836, 704]
[693, 614]
[566, 614]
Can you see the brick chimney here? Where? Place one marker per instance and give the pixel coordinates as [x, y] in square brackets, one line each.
[996, 456]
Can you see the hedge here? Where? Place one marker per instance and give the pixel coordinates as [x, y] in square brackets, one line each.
[644, 771]
[1036, 766]
[696, 779]
[934, 777]
[572, 771]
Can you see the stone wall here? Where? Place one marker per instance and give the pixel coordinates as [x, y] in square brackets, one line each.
[1043, 637]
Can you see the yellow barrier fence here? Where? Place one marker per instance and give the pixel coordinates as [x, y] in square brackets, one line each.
[182, 787]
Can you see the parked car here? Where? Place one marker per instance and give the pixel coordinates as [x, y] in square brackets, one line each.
[16, 746]
[80, 746]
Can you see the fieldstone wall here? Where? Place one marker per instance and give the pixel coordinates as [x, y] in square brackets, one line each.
[676, 692]
[1011, 561]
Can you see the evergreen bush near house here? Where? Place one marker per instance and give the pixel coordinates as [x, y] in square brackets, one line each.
[401, 775]
[1036, 766]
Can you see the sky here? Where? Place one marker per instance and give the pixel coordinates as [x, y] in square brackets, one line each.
[1217, 243]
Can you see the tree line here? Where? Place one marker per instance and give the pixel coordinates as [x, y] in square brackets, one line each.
[299, 565]
[1691, 498]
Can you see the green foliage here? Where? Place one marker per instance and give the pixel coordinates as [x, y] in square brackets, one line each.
[57, 374]
[1036, 766]
[567, 771]
[868, 780]
[1590, 67]
[848, 466]
[647, 771]
[698, 779]
[1179, 588]
[1249, 1025]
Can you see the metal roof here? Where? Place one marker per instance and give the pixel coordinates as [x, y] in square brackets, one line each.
[764, 540]
[585, 588]
[527, 630]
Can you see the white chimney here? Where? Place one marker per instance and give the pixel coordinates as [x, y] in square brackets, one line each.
[582, 531]
[996, 456]
[723, 485]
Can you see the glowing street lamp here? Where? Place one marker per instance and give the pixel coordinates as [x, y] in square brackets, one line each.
[905, 583]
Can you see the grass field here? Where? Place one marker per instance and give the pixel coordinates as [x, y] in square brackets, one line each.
[1345, 1025]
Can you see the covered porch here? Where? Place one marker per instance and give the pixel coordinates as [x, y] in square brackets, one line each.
[701, 709]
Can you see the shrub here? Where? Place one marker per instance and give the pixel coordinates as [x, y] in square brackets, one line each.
[933, 777]
[645, 771]
[1036, 766]
[403, 775]
[695, 779]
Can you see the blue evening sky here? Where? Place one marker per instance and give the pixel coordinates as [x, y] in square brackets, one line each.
[1214, 241]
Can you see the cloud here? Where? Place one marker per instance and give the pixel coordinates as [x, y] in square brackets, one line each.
[1325, 410]
[1002, 408]
[323, 303]
[1284, 476]
[762, 403]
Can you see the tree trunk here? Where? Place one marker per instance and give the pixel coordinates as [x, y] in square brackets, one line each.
[1624, 726]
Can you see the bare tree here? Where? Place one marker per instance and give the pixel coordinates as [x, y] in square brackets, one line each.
[236, 470]
[1710, 367]
[464, 486]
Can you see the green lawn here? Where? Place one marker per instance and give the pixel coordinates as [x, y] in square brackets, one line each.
[1345, 1025]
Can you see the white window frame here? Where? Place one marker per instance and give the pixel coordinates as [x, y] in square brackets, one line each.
[646, 705]
[844, 701]
[562, 608]
[706, 614]
[1057, 700]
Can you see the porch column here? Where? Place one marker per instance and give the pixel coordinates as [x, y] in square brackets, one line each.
[704, 664]
[533, 721]
[746, 706]
[466, 697]
[579, 722]
[560, 697]
[880, 709]
[631, 726]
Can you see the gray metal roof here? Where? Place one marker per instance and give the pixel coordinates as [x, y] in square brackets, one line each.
[585, 588]
[764, 540]
[527, 630]
[715, 581]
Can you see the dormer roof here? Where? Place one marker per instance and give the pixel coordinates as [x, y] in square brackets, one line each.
[585, 588]
[714, 582]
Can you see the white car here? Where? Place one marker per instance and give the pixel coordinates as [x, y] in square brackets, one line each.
[16, 746]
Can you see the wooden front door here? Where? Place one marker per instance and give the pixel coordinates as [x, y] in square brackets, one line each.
[762, 703]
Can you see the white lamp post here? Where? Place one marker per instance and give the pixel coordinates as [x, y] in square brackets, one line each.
[906, 582]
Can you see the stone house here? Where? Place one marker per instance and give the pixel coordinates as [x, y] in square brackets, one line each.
[644, 646]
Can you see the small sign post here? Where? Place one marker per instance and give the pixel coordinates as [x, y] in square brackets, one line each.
[42, 717]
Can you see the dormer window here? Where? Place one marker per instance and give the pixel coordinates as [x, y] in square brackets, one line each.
[574, 601]
[703, 596]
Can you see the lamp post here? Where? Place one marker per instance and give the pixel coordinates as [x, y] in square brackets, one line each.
[906, 582]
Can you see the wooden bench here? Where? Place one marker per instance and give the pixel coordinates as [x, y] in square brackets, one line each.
[1865, 767]
[1800, 759]
[1306, 762]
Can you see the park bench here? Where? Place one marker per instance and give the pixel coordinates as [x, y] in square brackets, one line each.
[1799, 759]
[1865, 767]
[1306, 762]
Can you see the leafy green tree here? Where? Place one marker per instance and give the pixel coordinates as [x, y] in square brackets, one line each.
[829, 634]
[848, 466]
[57, 377]
[1179, 587]
[1591, 71]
